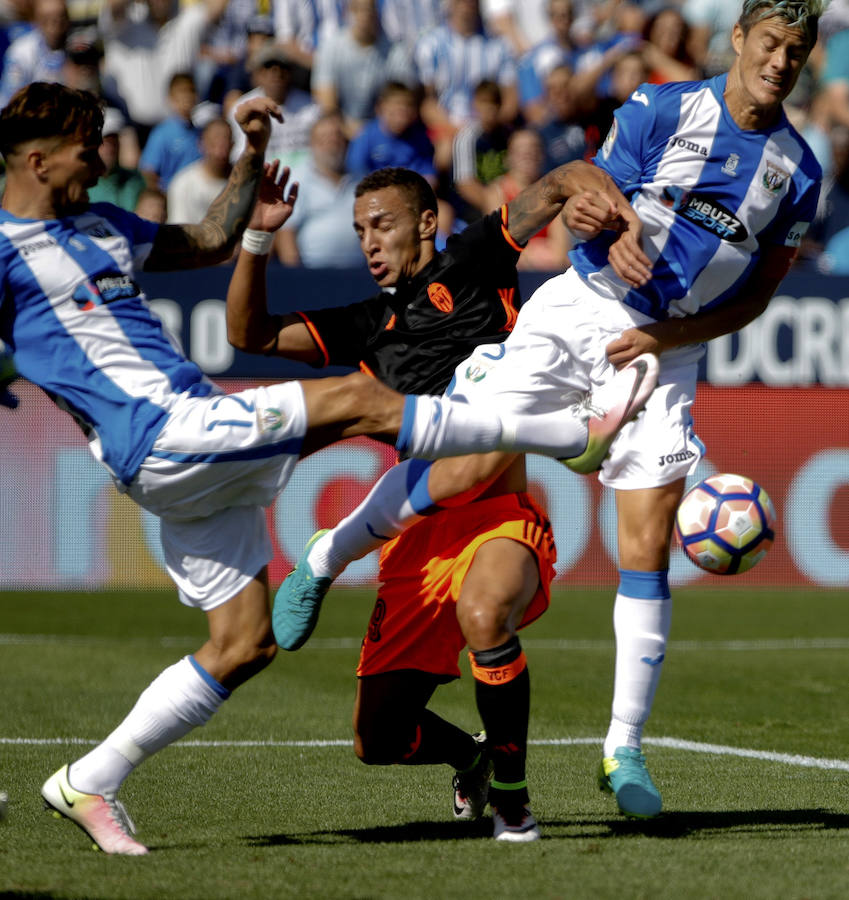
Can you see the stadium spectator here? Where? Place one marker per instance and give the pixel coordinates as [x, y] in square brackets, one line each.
[352, 64]
[319, 233]
[479, 153]
[299, 26]
[196, 185]
[15, 22]
[152, 205]
[145, 44]
[451, 61]
[523, 24]
[652, 277]
[525, 164]
[835, 77]
[472, 575]
[666, 48]
[259, 35]
[223, 53]
[564, 137]
[174, 142]
[118, 184]
[557, 49]
[710, 23]
[395, 137]
[39, 54]
[271, 70]
[404, 21]
[143, 404]
[833, 212]
[628, 71]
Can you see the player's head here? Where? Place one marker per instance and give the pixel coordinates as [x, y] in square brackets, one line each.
[49, 136]
[395, 215]
[771, 41]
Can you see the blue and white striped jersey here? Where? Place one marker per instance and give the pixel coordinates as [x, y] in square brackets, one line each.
[453, 65]
[81, 328]
[711, 196]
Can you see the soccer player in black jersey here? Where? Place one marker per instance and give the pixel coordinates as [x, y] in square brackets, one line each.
[466, 574]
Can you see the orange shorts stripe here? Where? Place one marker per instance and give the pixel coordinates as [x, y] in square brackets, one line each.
[414, 623]
[498, 674]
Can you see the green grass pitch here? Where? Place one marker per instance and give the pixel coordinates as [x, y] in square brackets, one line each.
[749, 744]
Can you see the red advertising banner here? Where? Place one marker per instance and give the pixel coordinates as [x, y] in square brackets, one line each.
[66, 526]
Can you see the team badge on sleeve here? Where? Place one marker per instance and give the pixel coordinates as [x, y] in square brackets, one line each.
[610, 140]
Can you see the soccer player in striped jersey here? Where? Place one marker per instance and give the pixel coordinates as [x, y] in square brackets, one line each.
[205, 462]
[724, 188]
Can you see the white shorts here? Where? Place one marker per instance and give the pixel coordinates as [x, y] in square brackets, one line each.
[217, 462]
[556, 352]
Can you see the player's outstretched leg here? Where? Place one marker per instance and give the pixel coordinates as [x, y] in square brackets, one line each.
[610, 407]
[102, 818]
[579, 435]
[298, 601]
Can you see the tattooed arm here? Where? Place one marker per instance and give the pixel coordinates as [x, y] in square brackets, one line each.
[214, 239]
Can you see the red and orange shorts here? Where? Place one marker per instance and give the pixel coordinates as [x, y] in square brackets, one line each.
[414, 622]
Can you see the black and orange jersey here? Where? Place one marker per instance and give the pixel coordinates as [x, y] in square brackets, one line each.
[413, 338]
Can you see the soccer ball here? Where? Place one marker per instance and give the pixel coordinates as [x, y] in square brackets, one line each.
[725, 524]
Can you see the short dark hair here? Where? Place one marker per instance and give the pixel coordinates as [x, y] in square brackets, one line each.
[418, 192]
[391, 88]
[488, 90]
[181, 78]
[43, 110]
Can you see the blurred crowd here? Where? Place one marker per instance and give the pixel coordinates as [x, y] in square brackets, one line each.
[479, 96]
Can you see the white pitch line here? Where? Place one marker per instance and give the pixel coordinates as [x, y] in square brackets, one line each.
[346, 643]
[790, 759]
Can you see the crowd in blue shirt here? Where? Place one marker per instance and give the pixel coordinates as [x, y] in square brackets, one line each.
[438, 86]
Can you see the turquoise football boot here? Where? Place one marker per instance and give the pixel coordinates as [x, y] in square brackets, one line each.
[626, 777]
[298, 602]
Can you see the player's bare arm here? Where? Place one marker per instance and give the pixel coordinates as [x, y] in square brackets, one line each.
[540, 203]
[214, 239]
[250, 325]
[704, 326]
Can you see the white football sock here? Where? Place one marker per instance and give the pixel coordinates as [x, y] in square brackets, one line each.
[437, 426]
[641, 626]
[180, 698]
[391, 506]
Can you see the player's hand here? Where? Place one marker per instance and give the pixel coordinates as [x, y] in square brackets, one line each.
[273, 204]
[629, 345]
[589, 213]
[254, 118]
[626, 256]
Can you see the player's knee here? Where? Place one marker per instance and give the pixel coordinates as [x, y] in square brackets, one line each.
[484, 623]
[380, 745]
[372, 749]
